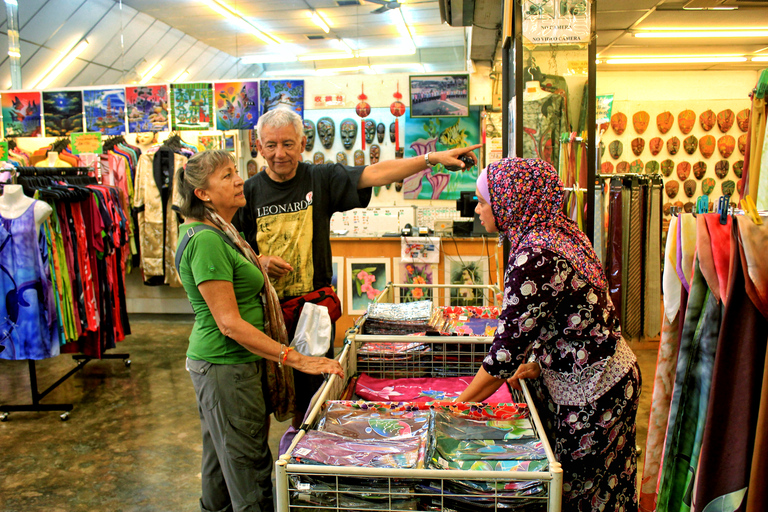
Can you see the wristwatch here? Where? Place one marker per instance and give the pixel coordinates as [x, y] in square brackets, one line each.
[426, 158]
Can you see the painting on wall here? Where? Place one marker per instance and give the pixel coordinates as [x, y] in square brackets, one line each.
[337, 280]
[366, 278]
[237, 105]
[21, 114]
[208, 142]
[466, 270]
[105, 111]
[408, 272]
[439, 95]
[147, 107]
[423, 135]
[282, 94]
[192, 106]
[62, 112]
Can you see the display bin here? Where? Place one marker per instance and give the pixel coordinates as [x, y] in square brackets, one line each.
[395, 488]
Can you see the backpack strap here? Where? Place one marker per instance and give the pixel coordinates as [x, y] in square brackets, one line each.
[194, 230]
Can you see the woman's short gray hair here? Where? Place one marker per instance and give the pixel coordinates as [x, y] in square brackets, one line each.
[277, 119]
[195, 175]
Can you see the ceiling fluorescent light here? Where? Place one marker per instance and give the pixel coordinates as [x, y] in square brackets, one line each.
[181, 77]
[386, 52]
[330, 71]
[344, 45]
[290, 72]
[317, 20]
[228, 12]
[417, 67]
[676, 60]
[146, 77]
[325, 56]
[60, 65]
[759, 59]
[14, 53]
[267, 58]
[399, 19]
[701, 33]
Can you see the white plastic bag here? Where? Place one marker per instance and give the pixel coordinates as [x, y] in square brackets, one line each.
[313, 331]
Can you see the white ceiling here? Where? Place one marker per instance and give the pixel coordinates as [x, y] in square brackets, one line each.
[127, 39]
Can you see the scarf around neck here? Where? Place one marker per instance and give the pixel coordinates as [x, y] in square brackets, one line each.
[526, 197]
[274, 324]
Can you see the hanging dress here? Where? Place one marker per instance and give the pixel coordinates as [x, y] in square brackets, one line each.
[28, 322]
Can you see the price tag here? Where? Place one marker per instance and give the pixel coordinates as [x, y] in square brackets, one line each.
[89, 142]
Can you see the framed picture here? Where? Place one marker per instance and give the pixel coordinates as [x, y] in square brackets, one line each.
[408, 272]
[469, 270]
[366, 277]
[439, 95]
[337, 281]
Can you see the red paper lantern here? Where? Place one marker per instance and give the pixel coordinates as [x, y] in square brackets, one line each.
[397, 108]
[362, 109]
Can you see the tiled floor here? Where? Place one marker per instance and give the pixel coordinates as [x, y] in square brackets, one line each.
[132, 442]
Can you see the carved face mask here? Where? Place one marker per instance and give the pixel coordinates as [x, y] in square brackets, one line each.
[348, 133]
[326, 130]
[309, 133]
[370, 130]
[341, 158]
[319, 158]
[380, 130]
[359, 157]
[392, 131]
[375, 154]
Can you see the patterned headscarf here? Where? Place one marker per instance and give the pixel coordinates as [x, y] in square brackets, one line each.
[274, 323]
[526, 197]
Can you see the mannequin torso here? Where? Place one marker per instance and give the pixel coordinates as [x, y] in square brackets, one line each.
[533, 91]
[13, 203]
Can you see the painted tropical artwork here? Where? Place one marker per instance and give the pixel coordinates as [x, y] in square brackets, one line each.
[437, 134]
[192, 106]
[62, 112]
[237, 105]
[147, 108]
[21, 114]
[282, 94]
[105, 111]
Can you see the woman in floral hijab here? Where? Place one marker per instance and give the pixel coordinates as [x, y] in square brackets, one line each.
[558, 329]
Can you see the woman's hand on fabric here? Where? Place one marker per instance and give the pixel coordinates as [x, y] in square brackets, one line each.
[315, 365]
[524, 371]
[275, 266]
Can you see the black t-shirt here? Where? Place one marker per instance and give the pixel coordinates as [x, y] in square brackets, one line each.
[292, 219]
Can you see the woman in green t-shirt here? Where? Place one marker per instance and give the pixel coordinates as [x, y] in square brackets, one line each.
[237, 322]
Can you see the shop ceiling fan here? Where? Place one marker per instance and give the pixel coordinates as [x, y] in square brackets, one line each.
[386, 5]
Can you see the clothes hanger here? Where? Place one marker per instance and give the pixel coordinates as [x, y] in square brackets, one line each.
[748, 205]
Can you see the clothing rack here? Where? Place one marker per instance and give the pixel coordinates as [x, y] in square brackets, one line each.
[80, 359]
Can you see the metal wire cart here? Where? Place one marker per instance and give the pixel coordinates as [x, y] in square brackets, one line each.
[307, 487]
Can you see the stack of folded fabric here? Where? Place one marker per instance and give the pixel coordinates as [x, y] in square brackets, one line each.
[420, 389]
[505, 443]
[469, 320]
[399, 319]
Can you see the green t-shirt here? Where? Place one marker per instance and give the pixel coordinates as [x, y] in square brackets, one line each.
[207, 257]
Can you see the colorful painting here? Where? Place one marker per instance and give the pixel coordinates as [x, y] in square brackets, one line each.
[208, 142]
[237, 105]
[62, 112]
[466, 270]
[414, 273]
[192, 106]
[337, 280]
[147, 108]
[366, 278]
[105, 111]
[437, 134]
[282, 94]
[21, 114]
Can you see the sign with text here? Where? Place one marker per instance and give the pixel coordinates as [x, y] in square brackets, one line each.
[89, 142]
[556, 21]
[329, 100]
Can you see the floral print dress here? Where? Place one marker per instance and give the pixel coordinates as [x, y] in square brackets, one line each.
[588, 392]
